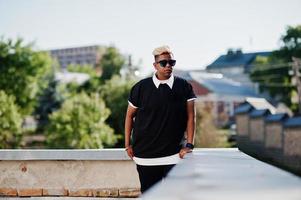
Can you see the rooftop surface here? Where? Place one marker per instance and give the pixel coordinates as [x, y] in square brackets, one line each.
[226, 174]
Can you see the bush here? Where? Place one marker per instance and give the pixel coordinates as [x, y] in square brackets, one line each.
[10, 122]
[206, 134]
[49, 101]
[111, 63]
[80, 123]
[115, 93]
[22, 72]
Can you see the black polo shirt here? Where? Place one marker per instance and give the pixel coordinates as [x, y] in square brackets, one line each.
[161, 117]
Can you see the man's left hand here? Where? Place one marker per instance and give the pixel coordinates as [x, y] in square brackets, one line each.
[184, 151]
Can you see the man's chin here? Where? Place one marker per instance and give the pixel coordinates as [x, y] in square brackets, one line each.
[168, 73]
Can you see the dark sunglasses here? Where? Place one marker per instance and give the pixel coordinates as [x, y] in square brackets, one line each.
[163, 63]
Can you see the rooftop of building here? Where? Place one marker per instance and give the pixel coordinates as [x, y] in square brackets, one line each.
[217, 83]
[236, 58]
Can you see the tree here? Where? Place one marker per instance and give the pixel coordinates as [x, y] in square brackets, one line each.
[22, 72]
[80, 123]
[88, 69]
[50, 100]
[273, 73]
[291, 45]
[115, 93]
[111, 63]
[206, 133]
[10, 122]
[273, 77]
[90, 86]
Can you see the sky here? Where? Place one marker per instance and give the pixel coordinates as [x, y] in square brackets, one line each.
[197, 31]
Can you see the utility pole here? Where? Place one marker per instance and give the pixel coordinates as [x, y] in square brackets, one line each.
[296, 67]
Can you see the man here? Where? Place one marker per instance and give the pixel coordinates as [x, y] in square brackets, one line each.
[160, 110]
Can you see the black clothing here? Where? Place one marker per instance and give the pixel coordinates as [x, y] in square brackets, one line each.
[161, 117]
[150, 175]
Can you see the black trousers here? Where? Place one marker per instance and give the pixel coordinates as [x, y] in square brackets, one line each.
[150, 175]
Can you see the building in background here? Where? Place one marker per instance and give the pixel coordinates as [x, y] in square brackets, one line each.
[85, 55]
[236, 65]
[69, 77]
[217, 93]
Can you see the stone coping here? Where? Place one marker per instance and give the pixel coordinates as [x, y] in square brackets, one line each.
[76, 154]
[63, 154]
[293, 122]
[279, 117]
[259, 113]
[225, 174]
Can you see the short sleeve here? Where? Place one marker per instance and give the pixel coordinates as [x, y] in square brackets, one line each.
[134, 96]
[189, 92]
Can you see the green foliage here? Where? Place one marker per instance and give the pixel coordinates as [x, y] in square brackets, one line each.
[206, 133]
[90, 86]
[88, 69]
[291, 45]
[272, 73]
[115, 94]
[10, 122]
[80, 123]
[50, 100]
[22, 72]
[112, 88]
[111, 63]
[274, 78]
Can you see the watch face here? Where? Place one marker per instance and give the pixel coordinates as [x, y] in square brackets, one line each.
[189, 145]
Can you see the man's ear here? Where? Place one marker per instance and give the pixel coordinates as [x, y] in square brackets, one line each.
[154, 64]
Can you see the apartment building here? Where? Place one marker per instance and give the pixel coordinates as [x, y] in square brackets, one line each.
[85, 55]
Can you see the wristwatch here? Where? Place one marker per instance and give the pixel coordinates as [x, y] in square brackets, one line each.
[189, 145]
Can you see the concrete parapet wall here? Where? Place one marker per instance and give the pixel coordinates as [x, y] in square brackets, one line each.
[39, 173]
[257, 129]
[273, 135]
[292, 141]
[225, 174]
[274, 138]
[242, 124]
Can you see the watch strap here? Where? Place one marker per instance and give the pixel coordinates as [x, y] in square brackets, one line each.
[189, 145]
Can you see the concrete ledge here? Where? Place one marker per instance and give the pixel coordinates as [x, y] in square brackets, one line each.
[63, 154]
[70, 173]
[224, 174]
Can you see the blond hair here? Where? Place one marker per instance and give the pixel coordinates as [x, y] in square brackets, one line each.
[162, 50]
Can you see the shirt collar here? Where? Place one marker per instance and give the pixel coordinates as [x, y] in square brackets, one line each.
[169, 81]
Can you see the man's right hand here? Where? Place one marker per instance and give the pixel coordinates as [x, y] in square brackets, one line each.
[129, 151]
